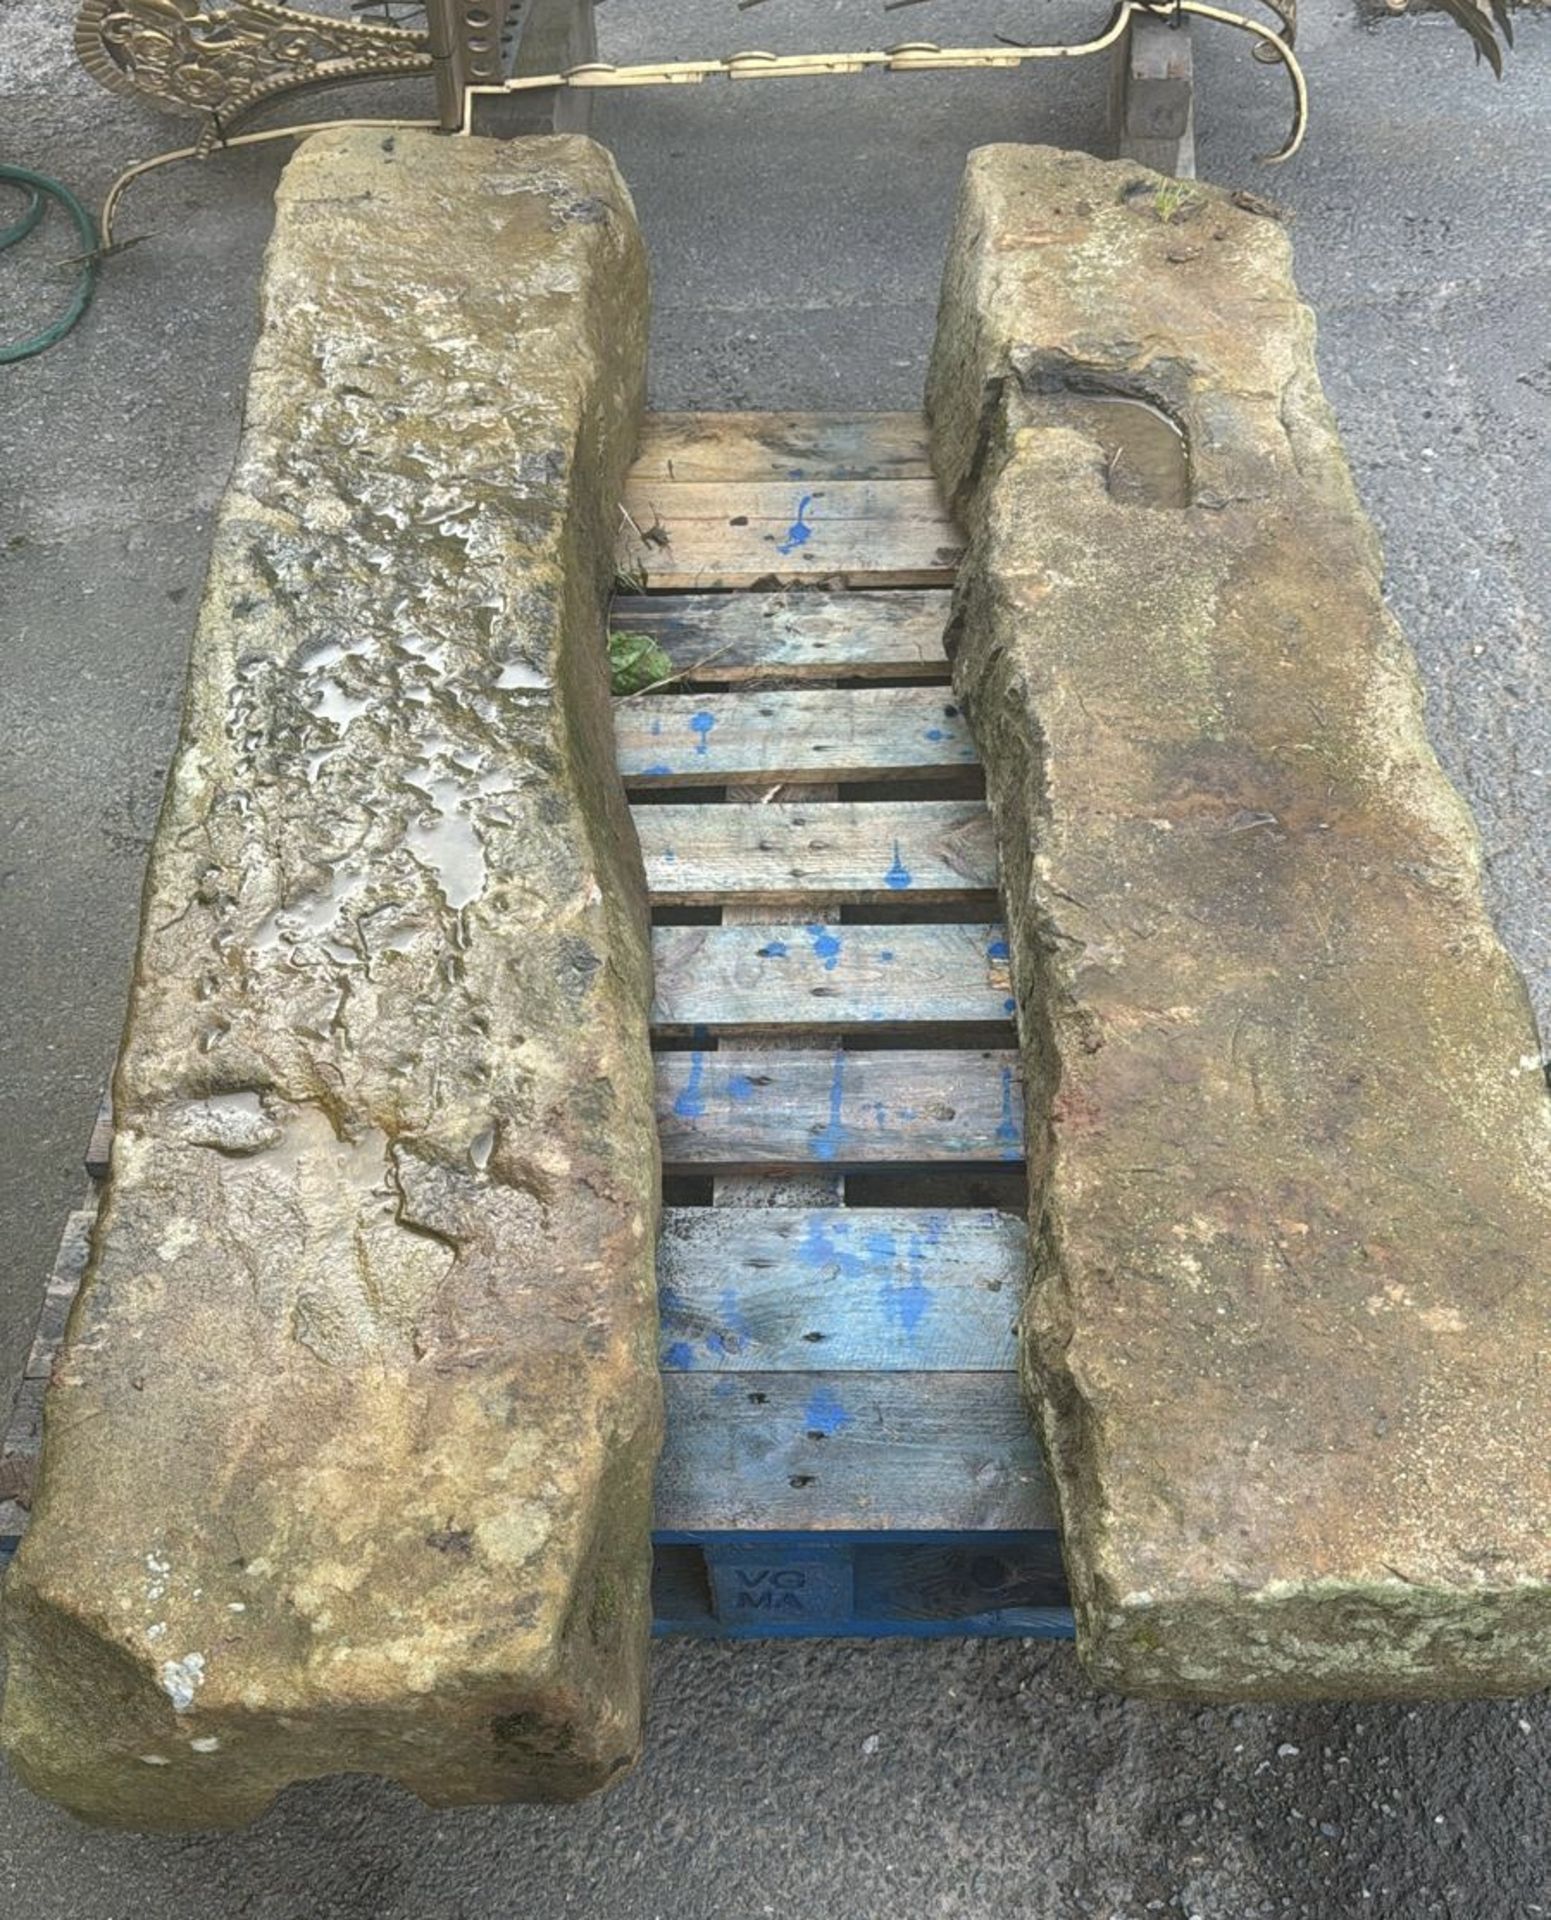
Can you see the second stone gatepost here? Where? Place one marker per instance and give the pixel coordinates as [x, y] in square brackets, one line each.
[1289, 1328]
[348, 1455]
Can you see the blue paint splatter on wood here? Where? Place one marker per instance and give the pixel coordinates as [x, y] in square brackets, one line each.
[734, 1320]
[911, 1300]
[799, 533]
[690, 1104]
[680, 1357]
[898, 876]
[700, 724]
[821, 1249]
[997, 950]
[887, 956]
[824, 1413]
[826, 1144]
[1009, 1006]
[1007, 1129]
[935, 733]
[773, 950]
[657, 769]
[915, 1296]
[741, 1087]
[826, 947]
[906, 1305]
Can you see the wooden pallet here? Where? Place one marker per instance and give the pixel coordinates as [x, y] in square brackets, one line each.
[841, 1116]
[839, 1103]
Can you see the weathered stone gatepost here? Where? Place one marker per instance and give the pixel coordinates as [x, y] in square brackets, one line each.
[349, 1452]
[1289, 1329]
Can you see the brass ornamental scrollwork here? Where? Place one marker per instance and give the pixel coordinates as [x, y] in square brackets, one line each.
[221, 61]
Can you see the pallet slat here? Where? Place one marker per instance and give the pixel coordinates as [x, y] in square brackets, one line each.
[782, 446]
[812, 734]
[794, 1452]
[751, 1109]
[730, 637]
[823, 976]
[832, 851]
[697, 535]
[886, 1290]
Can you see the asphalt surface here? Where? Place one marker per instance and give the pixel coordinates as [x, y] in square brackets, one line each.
[797, 234]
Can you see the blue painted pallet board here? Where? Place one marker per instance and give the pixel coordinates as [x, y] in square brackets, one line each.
[814, 852]
[726, 638]
[848, 1290]
[829, 1452]
[817, 975]
[792, 735]
[747, 1586]
[750, 1109]
[897, 1493]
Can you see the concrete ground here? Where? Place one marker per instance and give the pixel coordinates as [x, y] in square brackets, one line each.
[798, 233]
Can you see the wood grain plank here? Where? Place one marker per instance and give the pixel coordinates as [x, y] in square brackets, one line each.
[905, 1289]
[892, 1452]
[703, 534]
[782, 446]
[839, 850]
[829, 978]
[791, 736]
[745, 1109]
[731, 637]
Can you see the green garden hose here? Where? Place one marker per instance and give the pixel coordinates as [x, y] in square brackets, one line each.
[40, 189]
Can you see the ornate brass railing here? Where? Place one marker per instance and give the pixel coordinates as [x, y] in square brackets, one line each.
[223, 62]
